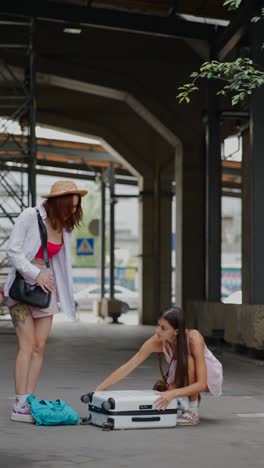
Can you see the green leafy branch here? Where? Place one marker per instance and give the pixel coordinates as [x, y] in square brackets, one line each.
[241, 76]
[232, 4]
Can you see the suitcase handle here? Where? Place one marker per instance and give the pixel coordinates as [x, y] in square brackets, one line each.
[154, 418]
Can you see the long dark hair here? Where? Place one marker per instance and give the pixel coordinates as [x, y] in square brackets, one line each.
[175, 317]
[59, 211]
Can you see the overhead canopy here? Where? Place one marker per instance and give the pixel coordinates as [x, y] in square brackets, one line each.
[205, 8]
[169, 18]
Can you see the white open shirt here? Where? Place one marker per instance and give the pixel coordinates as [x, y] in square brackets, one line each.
[22, 247]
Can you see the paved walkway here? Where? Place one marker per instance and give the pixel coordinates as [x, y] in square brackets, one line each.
[78, 357]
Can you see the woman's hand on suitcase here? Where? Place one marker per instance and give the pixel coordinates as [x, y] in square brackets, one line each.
[164, 399]
[45, 281]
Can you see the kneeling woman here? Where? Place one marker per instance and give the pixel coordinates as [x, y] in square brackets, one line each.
[192, 367]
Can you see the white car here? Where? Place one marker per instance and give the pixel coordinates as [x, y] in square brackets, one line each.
[225, 292]
[84, 299]
[234, 298]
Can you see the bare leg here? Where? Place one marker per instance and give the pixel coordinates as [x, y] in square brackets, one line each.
[25, 332]
[42, 328]
[190, 417]
[192, 376]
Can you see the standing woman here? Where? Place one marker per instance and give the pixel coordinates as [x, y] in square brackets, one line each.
[61, 212]
[192, 367]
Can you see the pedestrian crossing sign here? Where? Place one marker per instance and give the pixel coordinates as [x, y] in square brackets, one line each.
[85, 246]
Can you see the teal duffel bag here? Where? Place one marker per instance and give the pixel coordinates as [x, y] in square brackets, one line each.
[52, 413]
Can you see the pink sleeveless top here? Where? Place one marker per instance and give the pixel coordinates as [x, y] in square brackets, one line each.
[214, 370]
[53, 249]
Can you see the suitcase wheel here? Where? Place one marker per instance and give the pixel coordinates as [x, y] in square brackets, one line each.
[85, 398]
[107, 426]
[109, 404]
[85, 421]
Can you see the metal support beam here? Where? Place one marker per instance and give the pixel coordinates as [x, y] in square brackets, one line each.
[231, 185]
[157, 237]
[71, 166]
[234, 115]
[112, 232]
[229, 37]
[102, 238]
[168, 26]
[231, 194]
[86, 175]
[51, 148]
[126, 196]
[32, 118]
[18, 94]
[108, 177]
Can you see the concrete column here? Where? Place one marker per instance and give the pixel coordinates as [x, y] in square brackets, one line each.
[155, 248]
[253, 188]
[146, 247]
[165, 249]
[179, 173]
[246, 216]
[190, 226]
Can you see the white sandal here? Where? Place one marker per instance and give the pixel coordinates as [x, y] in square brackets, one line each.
[188, 418]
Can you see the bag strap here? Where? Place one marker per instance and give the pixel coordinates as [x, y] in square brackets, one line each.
[164, 376]
[53, 404]
[47, 403]
[43, 238]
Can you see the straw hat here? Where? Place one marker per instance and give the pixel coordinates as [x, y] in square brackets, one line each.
[64, 187]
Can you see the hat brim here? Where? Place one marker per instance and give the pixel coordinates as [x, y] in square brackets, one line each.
[82, 193]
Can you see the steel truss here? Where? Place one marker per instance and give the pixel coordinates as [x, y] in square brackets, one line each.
[17, 109]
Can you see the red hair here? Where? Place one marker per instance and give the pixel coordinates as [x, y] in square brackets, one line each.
[60, 211]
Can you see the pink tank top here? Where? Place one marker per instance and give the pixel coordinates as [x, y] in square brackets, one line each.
[214, 370]
[53, 249]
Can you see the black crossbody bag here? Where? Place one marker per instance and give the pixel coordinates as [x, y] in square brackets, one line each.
[25, 293]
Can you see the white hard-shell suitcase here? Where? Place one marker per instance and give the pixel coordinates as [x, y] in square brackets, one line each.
[128, 409]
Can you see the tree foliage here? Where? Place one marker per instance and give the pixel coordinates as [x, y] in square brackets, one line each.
[232, 4]
[239, 78]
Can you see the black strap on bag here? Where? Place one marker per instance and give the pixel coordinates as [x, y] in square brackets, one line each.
[43, 238]
[25, 293]
[164, 376]
[161, 385]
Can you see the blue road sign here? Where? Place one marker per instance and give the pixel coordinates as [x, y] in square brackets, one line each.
[85, 246]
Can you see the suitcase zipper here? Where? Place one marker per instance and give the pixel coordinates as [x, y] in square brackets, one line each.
[95, 409]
